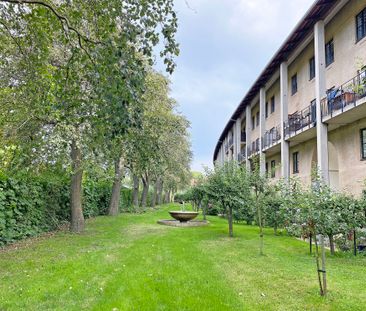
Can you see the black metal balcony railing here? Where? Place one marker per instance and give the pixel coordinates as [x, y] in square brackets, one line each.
[254, 147]
[271, 137]
[347, 94]
[301, 119]
[337, 100]
[242, 155]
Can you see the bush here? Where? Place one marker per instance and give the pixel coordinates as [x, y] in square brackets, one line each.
[28, 207]
[183, 196]
[215, 209]
[31, 205]
[244, 213]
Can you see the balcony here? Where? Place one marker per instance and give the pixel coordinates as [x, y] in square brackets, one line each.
[342, 104]
[254, 148]
[271, 137]
[242, 156]
[300, 121]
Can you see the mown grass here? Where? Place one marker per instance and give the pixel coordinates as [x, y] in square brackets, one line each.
[131, 263]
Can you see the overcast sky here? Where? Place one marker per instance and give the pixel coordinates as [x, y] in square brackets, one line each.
[224, 45]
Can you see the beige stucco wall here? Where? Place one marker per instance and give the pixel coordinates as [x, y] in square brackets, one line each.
[307, 158]
[274, 118]
[277, 158]
[346, 151]
[305, 87]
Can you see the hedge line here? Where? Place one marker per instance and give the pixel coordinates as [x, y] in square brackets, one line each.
[31, 205]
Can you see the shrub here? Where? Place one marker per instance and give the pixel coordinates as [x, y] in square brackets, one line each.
[30, 205]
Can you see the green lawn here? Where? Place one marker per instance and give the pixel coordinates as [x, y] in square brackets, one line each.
[132, 263]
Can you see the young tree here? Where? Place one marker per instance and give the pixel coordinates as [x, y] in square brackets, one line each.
[261, 191]
[228, 185]
[309, 210]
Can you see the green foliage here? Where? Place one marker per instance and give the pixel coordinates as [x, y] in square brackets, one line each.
[244, 213]
[72, 76]
[319, 209]
[229, 186]
[31, 205]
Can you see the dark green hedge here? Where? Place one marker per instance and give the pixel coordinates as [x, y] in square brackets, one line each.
[31, 205]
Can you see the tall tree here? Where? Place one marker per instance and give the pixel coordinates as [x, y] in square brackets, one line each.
[69, 43]
[159, 148]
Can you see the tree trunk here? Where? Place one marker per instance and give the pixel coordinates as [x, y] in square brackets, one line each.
[135, 194]
[77, 217]
[116, 188]
[323, 265]
[230, 220]
[145, 190]
[318, 265]
[160, 191]
[261, 242]
[354, 243]
[331, 244]
[167, 196]
[154, 194]
[311, 243]
[204, 210]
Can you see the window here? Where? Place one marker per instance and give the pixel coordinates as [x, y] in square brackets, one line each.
[272, 104]
[361, 25]
[313, 110]
[273, 169]
[363, 144]
[257, 116]
[295, 162]
[266, 168]
[312, 68]
[266, 110]
[253, 122]
[329, 53]
[294, 84]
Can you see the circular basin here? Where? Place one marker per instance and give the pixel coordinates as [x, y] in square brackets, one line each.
[183, 216]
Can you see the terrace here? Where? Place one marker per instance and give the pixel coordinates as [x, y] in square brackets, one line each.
[271, 137]
[242, 156]
[344, 104]
[254, 148]
[300, 121]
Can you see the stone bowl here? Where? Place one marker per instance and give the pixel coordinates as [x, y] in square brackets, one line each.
[183, 216]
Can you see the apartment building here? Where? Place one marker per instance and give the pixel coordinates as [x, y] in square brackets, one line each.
[308, 106]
